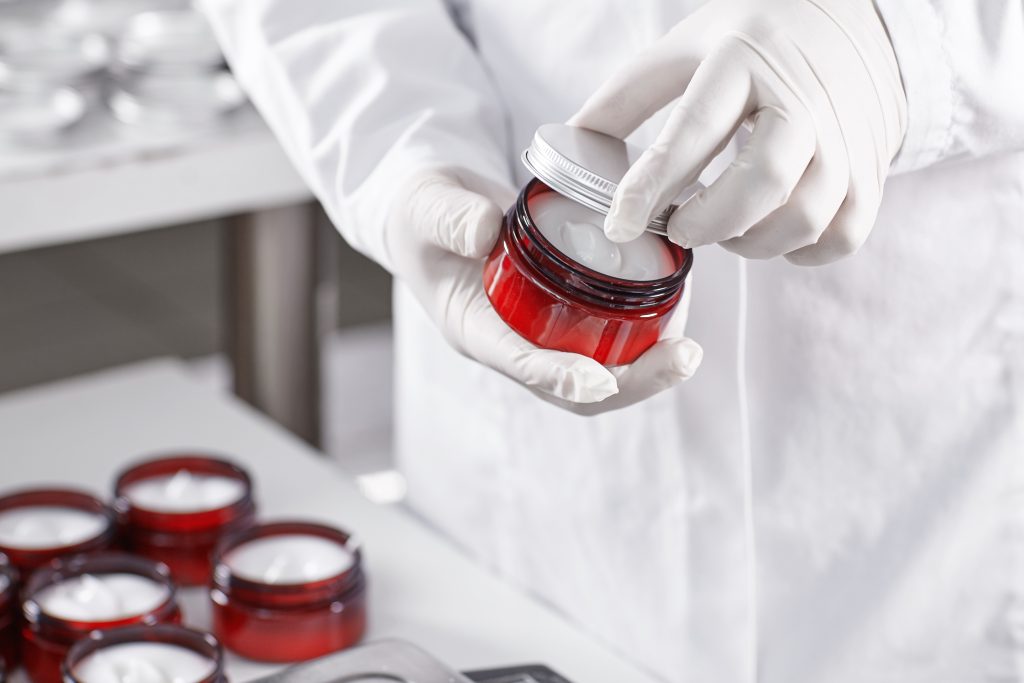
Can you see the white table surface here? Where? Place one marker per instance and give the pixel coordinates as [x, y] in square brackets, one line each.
[81, 431]
[106, 178]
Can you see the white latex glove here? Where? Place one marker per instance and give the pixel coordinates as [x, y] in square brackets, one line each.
[440, 228]
[818, 82]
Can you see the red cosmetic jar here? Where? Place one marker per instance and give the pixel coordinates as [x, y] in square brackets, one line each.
[559, 304]
[8, 616]
[46, 638]
[288, 622]
[27, 558]
[201, 643]
[182, 539]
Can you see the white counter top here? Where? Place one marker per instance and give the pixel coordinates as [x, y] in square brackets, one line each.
[107, 178]
[422, 589]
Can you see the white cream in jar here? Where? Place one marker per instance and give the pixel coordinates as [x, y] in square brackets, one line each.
[35, 527]
[289, 559]
[102, 597]
[144, 662]
[577, 232]
[185, 492]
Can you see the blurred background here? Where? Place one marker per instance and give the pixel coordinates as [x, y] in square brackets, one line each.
[149, 213]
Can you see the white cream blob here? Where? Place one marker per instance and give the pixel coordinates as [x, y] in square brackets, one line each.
[144, 662]
[102, 597]
[577, 232]
[36, 527]
[184, 492]
[289, 559]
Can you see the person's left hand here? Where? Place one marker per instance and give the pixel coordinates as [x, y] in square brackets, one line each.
[819, 83]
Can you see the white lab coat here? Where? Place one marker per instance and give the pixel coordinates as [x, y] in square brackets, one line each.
[838, 495]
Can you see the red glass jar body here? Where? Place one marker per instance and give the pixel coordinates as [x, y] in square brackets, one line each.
[288, 622]
[8, 615]
[184, 541]
[201, 643]
[46, 638]
[26, 560]
[559, 304]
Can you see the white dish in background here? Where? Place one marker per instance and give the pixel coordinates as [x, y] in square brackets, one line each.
[44, 58]
[39, 117]
[176, 102]
[169, 41]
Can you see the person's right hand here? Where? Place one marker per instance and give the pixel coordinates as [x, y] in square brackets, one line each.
[440, 228]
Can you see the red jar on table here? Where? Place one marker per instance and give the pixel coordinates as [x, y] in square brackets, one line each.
[74, 597]
[288, 591]
[165, 652]
[176, 509]
[38, 525]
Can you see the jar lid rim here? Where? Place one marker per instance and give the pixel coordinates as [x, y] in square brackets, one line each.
[587, 167]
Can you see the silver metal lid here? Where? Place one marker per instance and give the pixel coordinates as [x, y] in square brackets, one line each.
[587, 167]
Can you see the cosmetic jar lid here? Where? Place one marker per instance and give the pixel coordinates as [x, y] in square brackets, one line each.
[587, 167]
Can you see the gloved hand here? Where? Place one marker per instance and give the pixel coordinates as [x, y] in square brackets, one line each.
[440, 228]
[817, 81]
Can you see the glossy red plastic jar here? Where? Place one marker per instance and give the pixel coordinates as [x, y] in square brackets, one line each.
[8, 615]
[199, 642]
[46, 638]
[288, 622]
[28, 559]
[184, 541]
[559, 304]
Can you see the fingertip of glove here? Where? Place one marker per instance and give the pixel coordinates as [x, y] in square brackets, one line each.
[484, 231]
[686, 358]
[622, 230]
[480, 229]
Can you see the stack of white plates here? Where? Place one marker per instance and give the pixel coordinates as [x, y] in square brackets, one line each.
[48, 80]
[169, 73]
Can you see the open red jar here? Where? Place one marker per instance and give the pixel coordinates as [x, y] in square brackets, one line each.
[176, 509]
[8, 615]
[554, 277]
[73, 597]
[39, 525]
[158, 653]
[288, 591]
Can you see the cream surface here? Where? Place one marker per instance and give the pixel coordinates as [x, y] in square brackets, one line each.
[185, 491]
[577, 232]
[289, 559]
[35, 527]
[102, 597]
[144, 663]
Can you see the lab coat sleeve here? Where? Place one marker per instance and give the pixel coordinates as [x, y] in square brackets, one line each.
[962, 63]
[362, 94]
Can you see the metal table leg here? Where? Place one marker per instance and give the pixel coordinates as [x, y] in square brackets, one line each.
[273, 336]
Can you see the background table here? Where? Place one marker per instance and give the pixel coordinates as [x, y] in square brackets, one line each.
[421, 588]
[106, 178]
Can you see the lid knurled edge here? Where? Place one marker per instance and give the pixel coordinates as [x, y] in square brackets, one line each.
[578, 183]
